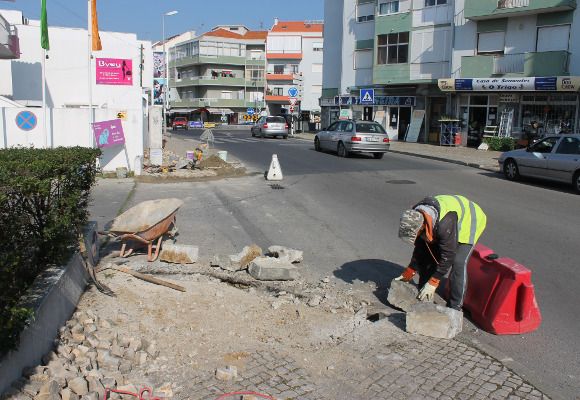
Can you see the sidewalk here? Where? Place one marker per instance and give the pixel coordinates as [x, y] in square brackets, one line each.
[468, 156]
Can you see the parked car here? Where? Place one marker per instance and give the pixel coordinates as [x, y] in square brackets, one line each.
[556, 158]
[180, 123]
[347, 137]
[270, 126]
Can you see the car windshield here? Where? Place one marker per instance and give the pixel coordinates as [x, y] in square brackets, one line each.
[180, 119]
[369, 128]
[276, 119]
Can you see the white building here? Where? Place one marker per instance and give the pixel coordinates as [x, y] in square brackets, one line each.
[294, 54]
[66, 119]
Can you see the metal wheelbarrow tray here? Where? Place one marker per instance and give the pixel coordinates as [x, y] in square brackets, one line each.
[144, 224]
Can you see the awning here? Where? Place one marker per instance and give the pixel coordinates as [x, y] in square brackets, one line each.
[220, 111]
[181, 110]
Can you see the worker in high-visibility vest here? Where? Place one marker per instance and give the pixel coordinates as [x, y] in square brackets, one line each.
[444, 230]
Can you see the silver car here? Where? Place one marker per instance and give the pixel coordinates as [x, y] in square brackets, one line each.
[270, 126]
[555, 158]
[347, 137]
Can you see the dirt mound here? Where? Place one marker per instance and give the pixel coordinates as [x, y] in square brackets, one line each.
[212, 161]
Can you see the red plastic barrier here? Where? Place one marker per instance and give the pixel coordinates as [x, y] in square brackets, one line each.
[500, 294]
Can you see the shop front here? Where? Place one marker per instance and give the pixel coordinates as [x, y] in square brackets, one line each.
[519, 107]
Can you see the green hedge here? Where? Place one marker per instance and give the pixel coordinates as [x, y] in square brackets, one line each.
[44, 197]
[500, 143]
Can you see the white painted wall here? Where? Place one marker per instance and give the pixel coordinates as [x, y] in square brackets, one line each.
[465, 38]
[309, 57]
[332, 65]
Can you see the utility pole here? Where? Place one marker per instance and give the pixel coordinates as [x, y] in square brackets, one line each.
[141, 68]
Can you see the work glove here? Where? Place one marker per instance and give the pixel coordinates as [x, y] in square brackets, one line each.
[428, 290]
[407, 275]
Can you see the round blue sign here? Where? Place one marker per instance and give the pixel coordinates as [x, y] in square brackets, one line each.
[250, 111]
[26, 120]
[293, 92]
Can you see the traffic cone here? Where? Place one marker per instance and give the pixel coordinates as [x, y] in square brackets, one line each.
[275, 172]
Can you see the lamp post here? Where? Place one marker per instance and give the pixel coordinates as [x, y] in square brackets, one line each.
[166, 87]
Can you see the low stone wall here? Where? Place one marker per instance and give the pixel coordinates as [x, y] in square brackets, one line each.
[53, 296]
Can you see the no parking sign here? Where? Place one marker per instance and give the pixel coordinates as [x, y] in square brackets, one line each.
[26, 120]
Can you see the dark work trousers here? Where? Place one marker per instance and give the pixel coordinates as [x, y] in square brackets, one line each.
[457, 276]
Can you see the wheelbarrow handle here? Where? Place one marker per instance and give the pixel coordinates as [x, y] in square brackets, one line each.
[109, 234]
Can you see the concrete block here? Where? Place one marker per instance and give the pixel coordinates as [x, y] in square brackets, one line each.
[237, 262]
[402, 295]
[226, 374]
[179, 253]
[434, 320]
[286, 254]
[272, 269]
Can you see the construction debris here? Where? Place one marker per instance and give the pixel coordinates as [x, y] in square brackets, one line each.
[434, 320]
[179, 253]
[272, 269]
[237, 262]
[286, 254]
[402, 295]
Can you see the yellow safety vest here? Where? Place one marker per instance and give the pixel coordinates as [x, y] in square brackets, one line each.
[471, 220]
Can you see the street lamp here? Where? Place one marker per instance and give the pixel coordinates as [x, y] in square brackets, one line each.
[166, 87]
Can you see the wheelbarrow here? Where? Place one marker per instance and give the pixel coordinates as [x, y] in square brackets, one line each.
[144, 225]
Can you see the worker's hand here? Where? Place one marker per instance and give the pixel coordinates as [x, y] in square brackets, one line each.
[407, 275]
[428, 290]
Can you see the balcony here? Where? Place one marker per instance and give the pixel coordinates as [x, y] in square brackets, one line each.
[9, 42]
[487, 9]
[545, 63]
[208, 81]
[206, 59]
[213, 102]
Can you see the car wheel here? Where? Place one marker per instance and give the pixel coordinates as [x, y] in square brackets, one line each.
[342, 152]
[253, 134]
[576, 182]
[378, 156]
[510, 170]
[317, 144]
[284, 136]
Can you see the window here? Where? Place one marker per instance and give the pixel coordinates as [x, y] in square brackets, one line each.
[393, 48]
[317, 46]
[491, 42]
[431, 3]
[293, 68]
[363, 59]
[569, 145]
[545, 146]
[389, 7]
[278, 91]
[365, 12]
[316, 67]
[279, 69]
[226, 94]
[552, 38]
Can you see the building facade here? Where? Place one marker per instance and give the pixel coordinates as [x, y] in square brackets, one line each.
[479, 61]
[119, 87]
[216, 77]
[294, 60]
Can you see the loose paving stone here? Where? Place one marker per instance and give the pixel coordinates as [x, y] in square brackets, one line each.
[434, 320]
[237, 262]
[272, 269]
[286, 254]
[402, 295]
[179, 253]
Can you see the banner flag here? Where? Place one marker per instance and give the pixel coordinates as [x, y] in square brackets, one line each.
[44, 27]
[96, 39]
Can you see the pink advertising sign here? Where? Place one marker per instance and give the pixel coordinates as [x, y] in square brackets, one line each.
[108, 133]
[114, 71]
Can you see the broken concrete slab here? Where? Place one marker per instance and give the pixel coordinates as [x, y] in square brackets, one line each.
[434, 320]
[227, 374]
[237, 262]
[272, 269]
[402, 295]
[286, 254]
[179, 253]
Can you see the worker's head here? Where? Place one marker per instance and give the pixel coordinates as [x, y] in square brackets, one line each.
[410, 226]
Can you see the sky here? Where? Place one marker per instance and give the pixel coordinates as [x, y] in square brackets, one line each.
[145, 17]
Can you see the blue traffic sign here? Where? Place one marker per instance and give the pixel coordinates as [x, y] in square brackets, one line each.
[26, 120]
[250, 111]
[293, 92]
[367, 96]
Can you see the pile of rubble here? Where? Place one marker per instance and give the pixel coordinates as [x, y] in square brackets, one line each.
[88, 358]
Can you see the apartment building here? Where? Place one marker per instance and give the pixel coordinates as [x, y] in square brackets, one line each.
[217, 76]
[474, 60]
[294, 55]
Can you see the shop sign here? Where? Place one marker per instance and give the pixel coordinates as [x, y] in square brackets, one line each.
[113, 71]
[378, 101]
[528, 84]
[508, 98]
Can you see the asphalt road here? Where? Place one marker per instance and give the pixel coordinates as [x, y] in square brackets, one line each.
[344, 214]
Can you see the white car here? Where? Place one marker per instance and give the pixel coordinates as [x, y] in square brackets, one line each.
[555, 158]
